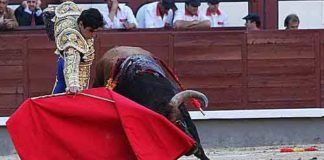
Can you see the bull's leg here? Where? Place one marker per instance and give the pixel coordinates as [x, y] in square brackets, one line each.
[199, 153]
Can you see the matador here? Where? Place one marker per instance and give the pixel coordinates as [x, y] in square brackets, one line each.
[74, 32]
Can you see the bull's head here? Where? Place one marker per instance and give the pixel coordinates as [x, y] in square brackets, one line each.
[180, 98]
[180, 116]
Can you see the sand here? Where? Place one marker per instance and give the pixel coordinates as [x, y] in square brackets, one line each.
[247, 153]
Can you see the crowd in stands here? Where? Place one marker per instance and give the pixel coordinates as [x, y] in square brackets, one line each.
[159, 14]
[7, 16]
[29, 13]
[119, 16]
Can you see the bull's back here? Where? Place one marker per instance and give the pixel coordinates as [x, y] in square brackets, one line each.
[110, 58]
[114, 54]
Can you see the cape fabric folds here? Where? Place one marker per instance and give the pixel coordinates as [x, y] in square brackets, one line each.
[79, 127]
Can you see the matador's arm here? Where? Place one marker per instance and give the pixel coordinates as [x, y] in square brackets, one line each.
[71, 69]
[73, 46]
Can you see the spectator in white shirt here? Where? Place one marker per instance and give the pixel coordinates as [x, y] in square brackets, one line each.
[217, 17]
[119, 16]
[190, 17]
[156, 14]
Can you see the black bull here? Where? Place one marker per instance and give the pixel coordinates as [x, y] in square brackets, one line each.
[133, 73]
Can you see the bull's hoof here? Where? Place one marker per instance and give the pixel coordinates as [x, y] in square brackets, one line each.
[193, 150]
[201, 154]
[198, 152]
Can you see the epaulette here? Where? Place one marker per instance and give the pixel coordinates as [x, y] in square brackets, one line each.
[67, 9]
[72, 38]
[68, 22]
[49, 9]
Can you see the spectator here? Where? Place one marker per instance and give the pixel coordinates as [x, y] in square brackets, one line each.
[29, 13]
[156, 14]
[190, 17]
[253, 22]
[119, 16]
[7, 17]
[217, 17]
[291, 22]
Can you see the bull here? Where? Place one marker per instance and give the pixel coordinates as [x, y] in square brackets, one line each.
[135, 74]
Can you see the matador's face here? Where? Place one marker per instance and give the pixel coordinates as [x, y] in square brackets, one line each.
[87, 32]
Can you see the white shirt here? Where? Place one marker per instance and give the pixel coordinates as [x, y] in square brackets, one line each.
[38, 11]
[182, 14]
[1, 18]
[149, 16]
[124, 14]
[218, 19]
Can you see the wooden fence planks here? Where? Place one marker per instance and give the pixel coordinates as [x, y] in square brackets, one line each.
[235, 69]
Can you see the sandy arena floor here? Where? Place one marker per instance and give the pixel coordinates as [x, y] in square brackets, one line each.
[248, 153]
[263, 153]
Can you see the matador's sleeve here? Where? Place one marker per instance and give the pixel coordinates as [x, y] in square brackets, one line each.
[71, 67]
[72, 44]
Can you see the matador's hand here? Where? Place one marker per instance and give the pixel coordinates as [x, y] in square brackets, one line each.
[73, 89]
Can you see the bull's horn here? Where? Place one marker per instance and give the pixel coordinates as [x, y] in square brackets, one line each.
[180, 97]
